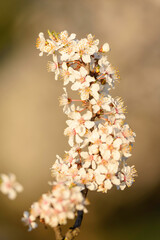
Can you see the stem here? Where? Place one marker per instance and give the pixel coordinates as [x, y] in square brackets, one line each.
[79, 218]
[82, 110]
[75, 230]
[71, 234]
[101, 76]
[80, 158]
[109, 113]
[58, 233]
[105, 119]
[77, 100]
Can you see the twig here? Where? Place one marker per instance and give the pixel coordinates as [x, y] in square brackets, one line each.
[72, 233]
[58, 233]
[75, 230]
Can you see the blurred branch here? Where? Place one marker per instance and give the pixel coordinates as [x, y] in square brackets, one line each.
[58, 233]
[72, 233]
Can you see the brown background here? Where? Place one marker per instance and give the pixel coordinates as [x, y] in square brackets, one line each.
[32, 123]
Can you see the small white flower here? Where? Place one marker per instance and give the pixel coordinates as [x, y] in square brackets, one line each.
[93, 91]
[110, 150]
[29, 221]
[127, 134]
[47, 46]
[83, 50]
[9, 185]
[53, 67]
[80, 122]
[96, 141]
[41, 43]
[65, 39]
[103, 63]
[83, 80]
[72, 134]
[87, 47]
[106, 176]
[66, 102]
[127, 176]
[101, 103]
[92, 186]
[89, 160]
[68, 74]
[126, 150]
[68, 53]
[105, 130]
[59, 167]
[105, 48]
[92, 43]
[118, 106]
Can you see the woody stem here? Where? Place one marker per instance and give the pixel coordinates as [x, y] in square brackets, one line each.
[58, 233]
[79, 218]
[75, 230]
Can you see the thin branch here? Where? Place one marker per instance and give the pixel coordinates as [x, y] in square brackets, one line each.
[58, 233]
[75, 230]
[72, 233]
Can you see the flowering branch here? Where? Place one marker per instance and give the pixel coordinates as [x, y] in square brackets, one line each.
[100, 141]
[72, 233]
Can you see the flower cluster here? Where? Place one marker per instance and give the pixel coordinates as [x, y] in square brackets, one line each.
[56, 206]
[100, 142]
[9, 185]
[97, 125]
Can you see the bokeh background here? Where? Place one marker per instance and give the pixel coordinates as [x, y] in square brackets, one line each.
[32, 123]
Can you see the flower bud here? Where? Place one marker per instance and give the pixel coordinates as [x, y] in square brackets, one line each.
[105, 48]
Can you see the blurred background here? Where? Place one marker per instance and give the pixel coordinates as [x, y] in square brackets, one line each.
[32, 123]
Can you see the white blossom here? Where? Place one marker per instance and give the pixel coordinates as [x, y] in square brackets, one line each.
[82, 80]
[80, 122]
[68, 74]
[93, 91]
[56, 207]
[53, 67]
[87, 47]
[29, 221]
[101, 103]
[105, 48]
[110, 149]
[66, 102]
[48, 46]
[9, 185]
[65, 39]
[127, 175]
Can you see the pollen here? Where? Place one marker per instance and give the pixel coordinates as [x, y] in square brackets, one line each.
[110, 147]
[81, 121]
[108, 175]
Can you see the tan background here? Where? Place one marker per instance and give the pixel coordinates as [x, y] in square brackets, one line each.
[32, 123]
